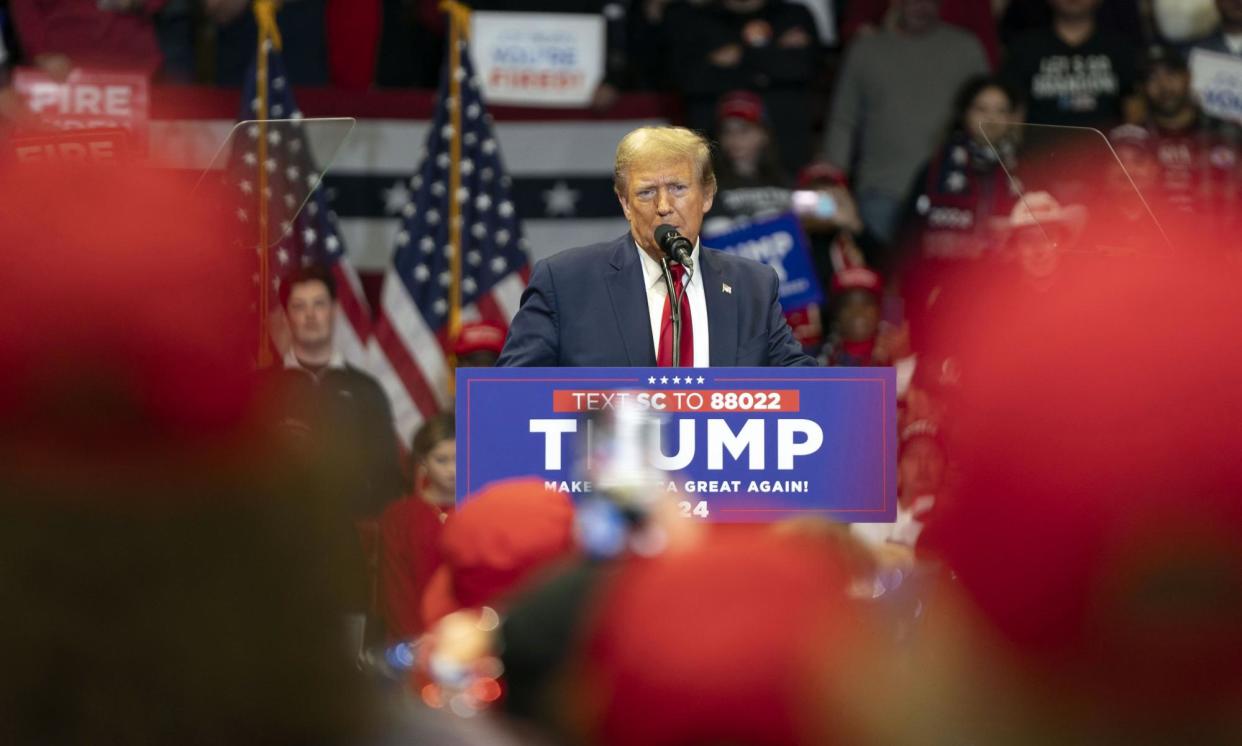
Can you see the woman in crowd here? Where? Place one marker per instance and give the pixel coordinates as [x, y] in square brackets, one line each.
[961, 200]
[410, 527]
[751, 183]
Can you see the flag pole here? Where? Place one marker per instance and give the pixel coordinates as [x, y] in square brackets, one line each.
[459, 25]
[269, 36]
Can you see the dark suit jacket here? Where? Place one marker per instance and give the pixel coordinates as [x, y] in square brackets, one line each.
[588, 307]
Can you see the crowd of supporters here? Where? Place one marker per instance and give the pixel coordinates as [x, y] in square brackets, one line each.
[963, 157]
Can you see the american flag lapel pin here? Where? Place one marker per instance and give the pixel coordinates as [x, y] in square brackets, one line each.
[726, 287]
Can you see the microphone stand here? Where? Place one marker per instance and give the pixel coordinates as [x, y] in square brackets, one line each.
[674, 308]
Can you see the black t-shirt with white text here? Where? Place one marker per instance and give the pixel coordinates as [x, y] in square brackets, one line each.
[1079, 86]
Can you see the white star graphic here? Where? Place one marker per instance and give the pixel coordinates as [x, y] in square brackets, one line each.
[442, 160]
[651, 379]
[446, 131]
[282, 255]
[474, 257]
[278, 110]
[499, 264]
[473, 110]
[409, 210]
[242, 216]
[560, 199]
[396, 197]
[437, 188]
[467, 166]
[469, 139]
[292, 173]
[700, 379]
[416, 181]
[663, 379]
[502, 237]
[676, 379]
[432, 217]
[440, 307]
[468, 285]
[246, 187]
[427, 244]
[505, 209]
[487, 173]
[483, 202]
[463, 194]
[278, 82]
[250, 159]
[403, 238]
[295, 145]
[332, 243]
[308, 235]
[478, 230]
[273, 136]
[290, 202]
[421, 273]
[270, 165]
[446, 278]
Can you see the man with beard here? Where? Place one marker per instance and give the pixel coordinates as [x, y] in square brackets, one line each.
[1185, 162]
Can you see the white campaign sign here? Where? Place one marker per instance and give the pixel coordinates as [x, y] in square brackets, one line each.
[537, 59]
[1217, 79]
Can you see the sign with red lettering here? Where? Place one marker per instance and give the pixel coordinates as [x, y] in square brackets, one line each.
[538, 59]
[93, 147]
[88, 100]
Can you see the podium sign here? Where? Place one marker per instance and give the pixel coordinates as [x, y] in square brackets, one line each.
[735, 445]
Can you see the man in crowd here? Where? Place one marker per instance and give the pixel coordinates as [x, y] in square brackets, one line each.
[893, 98]
[1187, 162]
[606, 304]
[1072, 72]
[770, 47]
[316, 395]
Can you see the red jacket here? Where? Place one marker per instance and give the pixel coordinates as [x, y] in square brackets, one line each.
[409, 554]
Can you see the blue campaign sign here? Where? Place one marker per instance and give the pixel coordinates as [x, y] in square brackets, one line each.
[780, 244]
[736, 444]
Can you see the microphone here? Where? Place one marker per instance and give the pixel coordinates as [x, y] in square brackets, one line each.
[674, 245]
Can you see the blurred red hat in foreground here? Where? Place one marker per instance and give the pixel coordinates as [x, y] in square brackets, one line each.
[1099, 527]
[125, 314]
[496, 541]
[722, 643]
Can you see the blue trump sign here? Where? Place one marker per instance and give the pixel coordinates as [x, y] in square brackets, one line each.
[780, 244]
[729, 444]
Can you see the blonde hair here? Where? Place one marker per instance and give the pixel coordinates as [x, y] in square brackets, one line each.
[662, 145]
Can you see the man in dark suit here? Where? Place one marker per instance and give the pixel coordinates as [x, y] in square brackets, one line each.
[606, 304]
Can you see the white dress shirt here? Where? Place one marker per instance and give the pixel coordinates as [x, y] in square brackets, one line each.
[653, 279]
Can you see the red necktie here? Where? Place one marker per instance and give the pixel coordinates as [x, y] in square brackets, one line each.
[664, 358]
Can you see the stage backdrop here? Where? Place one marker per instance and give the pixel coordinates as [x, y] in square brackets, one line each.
[560, 160]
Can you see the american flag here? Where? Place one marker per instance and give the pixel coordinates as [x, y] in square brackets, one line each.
[411, 329]
[294, 238]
